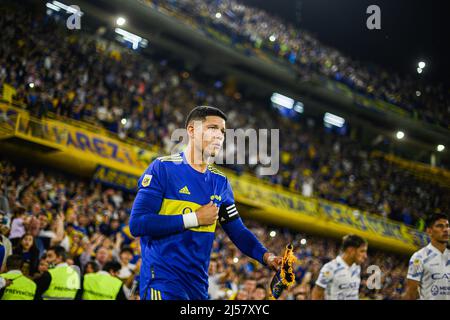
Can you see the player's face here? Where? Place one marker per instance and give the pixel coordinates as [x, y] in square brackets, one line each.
[439, 231]
[361, 254]
[210, 139]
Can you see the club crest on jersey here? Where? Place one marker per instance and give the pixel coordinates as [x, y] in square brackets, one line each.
[416, 262]
[147, 179]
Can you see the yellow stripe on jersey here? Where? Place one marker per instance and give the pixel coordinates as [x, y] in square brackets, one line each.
[172, 207]
[159, 295]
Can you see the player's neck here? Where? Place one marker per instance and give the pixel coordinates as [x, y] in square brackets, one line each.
[195, 159]
[438, 245]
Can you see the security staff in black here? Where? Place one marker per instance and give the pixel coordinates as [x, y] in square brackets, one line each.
[104, 284]
[20, 287]
[61, 282]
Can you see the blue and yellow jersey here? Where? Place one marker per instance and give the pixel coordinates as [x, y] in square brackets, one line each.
[175, 258]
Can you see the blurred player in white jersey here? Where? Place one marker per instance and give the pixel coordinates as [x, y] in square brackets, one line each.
[340, 278]
[429, 268]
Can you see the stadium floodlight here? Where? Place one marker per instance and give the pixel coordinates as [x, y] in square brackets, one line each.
[236, 260]
[282, 101]
[272, 38]
[400, 135]
[218, 15]
[31, 85]
[299, 107]
[440, 147]
[52, 6]
[419, 70]
[121, 21]
[123, 121]
[303, 242]
[334, 120]
[418, 93]
[421, 64]
[272, 234]
[67, 8]
[133, 38]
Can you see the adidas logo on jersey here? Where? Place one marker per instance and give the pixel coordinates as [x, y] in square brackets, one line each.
[184, 190]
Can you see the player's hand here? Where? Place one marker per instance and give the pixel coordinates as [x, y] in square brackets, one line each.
[207, 214]
[272, 261]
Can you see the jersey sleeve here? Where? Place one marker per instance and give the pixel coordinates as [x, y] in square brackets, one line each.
[415, 268]
[233, 226]
[325, 276]
[145, 219]
[153, 181]
[228, 211]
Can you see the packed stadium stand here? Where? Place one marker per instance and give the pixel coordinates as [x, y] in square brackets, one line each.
[87, 81]
[258, 31]
[91, 223]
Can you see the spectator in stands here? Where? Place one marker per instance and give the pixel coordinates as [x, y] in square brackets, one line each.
[260, 293]
[19, 287]
[104, 284]
[5, 245]
[61, 282]
[29, 252]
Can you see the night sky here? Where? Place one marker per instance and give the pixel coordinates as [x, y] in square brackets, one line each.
[410, 30]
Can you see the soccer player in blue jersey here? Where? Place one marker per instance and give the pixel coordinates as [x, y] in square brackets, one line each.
[179, 201]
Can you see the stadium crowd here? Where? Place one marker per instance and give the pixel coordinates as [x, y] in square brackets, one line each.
[43, 211]
[94, 80]
[257, 30]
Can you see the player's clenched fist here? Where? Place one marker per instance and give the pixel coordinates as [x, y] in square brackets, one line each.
[207, 214]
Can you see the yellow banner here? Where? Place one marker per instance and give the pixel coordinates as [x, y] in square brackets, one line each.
[8, 92]
[329, 215]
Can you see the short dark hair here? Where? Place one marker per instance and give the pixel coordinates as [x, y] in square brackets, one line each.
[14, 262]
[201, 112]
[93, 264]
[60, 252]
[352, 241]
[431, 219]
[260, 286]
[127, 249]
[112, 266]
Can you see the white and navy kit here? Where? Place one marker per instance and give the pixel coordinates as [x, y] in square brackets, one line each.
[431, 268]
[340, 281]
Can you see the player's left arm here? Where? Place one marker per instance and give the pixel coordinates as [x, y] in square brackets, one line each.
[243, 238]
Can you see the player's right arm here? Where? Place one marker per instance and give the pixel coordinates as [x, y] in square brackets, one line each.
[323, 281]
[145, 219]
[414, 277]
